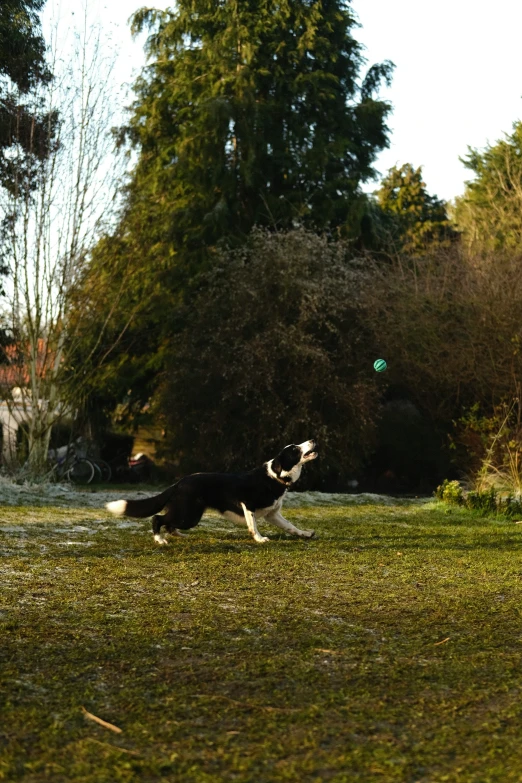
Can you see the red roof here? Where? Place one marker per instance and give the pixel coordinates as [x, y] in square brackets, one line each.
[15, 372]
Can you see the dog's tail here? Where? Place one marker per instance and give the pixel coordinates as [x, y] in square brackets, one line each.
[139, 509]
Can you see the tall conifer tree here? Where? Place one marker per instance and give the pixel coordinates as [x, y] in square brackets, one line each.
[252, 112]
[406, 218]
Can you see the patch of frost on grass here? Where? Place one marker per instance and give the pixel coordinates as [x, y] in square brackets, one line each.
[294, 499]
[62, 495]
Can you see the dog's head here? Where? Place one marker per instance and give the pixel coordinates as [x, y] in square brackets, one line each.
[286, 467]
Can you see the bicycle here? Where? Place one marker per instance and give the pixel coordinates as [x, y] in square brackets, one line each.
[68, 466]
[103, 471]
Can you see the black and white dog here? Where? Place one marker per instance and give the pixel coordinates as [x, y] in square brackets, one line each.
[240, 497]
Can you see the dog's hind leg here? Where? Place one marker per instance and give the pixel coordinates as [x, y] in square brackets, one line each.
[278, 519]
[184, 514]
[251, 524]
[157, 524]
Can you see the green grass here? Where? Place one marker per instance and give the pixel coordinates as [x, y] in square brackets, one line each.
[387, 649]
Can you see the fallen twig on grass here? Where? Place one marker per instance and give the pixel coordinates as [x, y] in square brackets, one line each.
[329, 652]
[104, 723]
[442, 641]
[112, 747]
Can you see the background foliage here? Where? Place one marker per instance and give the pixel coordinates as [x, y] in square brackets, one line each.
[405, 217]
[27, 130]
[249, 283]
[490, 211]
[273, 350]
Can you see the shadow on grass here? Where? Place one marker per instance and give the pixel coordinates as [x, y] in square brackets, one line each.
[242, 696]
[337, 548]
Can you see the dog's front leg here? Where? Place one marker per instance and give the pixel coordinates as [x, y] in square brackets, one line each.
[278, 519]
[250, 518]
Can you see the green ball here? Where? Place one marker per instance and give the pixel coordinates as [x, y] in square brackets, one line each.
[379, 365]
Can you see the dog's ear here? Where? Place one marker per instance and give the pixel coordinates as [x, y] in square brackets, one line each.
[276, 466]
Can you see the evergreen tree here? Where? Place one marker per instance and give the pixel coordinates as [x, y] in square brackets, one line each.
[25, 127]
[490, 211]
[406, 218]
[251, 112]
[22, 70]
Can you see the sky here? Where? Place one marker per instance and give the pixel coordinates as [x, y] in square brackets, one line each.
[457, 81]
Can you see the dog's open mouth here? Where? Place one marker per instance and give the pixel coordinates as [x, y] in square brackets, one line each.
[310, 455]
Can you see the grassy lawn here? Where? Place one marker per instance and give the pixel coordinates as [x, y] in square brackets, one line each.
[387, 649]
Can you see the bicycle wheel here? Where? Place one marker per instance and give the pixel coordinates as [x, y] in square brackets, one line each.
[105, 469]
[81, 472]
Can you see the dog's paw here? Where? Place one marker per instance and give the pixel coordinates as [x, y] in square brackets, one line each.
[259, 539]
[159, 539]
[307, 533]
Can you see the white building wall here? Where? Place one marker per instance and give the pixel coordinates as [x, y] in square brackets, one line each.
[11, 416]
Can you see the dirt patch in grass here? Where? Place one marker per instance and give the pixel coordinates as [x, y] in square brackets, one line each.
[386, 649]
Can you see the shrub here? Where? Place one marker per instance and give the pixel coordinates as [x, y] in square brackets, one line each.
[450, 492]
[438, 322]
[488, 501]
[272, 351]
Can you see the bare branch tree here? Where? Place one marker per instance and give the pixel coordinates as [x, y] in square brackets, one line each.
[49, 225]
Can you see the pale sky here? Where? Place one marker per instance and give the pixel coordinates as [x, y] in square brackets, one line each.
[457, 82]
